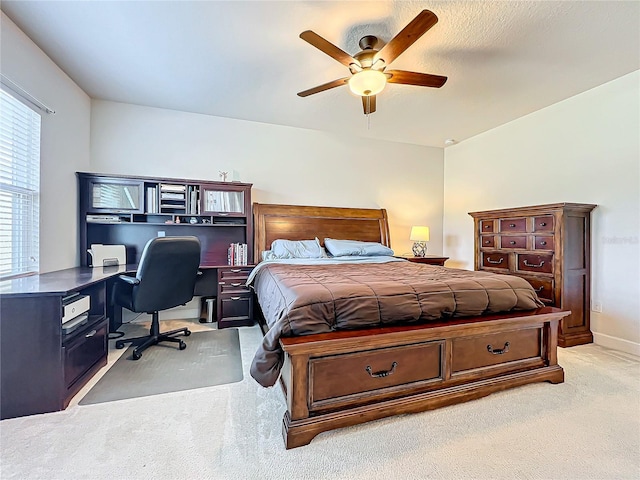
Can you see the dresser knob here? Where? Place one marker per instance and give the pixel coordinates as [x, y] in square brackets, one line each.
[512, 242]
[543, 224]
[543, 243]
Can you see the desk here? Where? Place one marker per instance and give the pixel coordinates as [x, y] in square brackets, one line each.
[41, 369]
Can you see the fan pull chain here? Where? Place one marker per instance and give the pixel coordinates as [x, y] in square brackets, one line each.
[368, 113]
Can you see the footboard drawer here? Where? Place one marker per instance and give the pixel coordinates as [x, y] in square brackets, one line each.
[494, 349]
[371, 372]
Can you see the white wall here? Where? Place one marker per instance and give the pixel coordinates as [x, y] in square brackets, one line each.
[585, 149]
[286, 165]
[64, 144]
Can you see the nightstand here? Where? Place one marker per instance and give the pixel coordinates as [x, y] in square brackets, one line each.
[428, 260]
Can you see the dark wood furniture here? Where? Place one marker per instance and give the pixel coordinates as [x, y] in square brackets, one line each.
[125, 210]
[350, 377]
[427, 260]
[548, 245]
[235, 299]
[41, 367]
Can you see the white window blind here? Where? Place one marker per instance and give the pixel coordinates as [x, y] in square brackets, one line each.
[19, 187]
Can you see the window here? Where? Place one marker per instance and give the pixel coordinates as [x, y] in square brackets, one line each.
[19, 187]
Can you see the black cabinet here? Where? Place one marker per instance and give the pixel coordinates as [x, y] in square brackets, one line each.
[41, 368]
[130, 211]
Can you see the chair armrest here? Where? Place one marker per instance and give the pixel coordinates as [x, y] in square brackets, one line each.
[129, 280]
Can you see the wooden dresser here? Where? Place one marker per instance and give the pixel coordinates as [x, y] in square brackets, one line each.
[549, 246]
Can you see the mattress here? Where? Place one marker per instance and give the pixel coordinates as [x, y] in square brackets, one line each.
[311, 296]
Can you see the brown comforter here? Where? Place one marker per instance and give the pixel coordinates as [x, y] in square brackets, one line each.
[307, 299]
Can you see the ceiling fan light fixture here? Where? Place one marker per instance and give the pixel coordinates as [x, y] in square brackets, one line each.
[367, 82]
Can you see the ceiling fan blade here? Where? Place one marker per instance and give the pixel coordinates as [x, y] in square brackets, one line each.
[323, 87]
[369, 104]
[414, 78]
[409, 34]
[328, 48]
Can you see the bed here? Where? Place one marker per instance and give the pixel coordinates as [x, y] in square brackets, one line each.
[336, 375]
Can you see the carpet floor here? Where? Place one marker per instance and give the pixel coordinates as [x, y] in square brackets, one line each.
[585, 428]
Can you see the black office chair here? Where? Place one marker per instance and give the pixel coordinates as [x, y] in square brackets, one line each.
[165, 278]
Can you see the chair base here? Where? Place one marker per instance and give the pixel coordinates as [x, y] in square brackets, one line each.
[154, 337]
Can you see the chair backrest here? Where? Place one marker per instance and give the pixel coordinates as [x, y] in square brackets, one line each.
[167, 272]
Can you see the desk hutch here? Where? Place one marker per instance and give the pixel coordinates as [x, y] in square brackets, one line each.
[125, 210]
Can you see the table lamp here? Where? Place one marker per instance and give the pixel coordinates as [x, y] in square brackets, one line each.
[420, 237]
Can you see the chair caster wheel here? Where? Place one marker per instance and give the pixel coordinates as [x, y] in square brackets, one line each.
[119, 344]
[136, 355]
[187, 333]
[182, 345]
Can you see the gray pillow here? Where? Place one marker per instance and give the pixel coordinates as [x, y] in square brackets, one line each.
[343, 248]
[294, 249]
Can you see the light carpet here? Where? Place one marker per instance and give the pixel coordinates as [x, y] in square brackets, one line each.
[211, 358]
[585, 428]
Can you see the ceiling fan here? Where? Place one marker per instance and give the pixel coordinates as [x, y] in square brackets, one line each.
[368, 67]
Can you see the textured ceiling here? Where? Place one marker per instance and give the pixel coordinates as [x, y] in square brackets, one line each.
[244, 60]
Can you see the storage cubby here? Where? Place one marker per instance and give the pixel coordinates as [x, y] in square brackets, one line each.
[117, 209]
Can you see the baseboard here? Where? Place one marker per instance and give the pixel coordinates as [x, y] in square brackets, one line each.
[616, 343]
[188, 310]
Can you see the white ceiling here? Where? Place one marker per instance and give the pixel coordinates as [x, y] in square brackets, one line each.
[244, 60]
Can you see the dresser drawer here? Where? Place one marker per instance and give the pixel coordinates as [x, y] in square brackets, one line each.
[487, 241]
[543, 242]
[519, 241]
[543, 288]
[373, 370]
[535, 263]
[513, 225]
[486, 226]
[488, 350]
[495, 260]
[543, 224]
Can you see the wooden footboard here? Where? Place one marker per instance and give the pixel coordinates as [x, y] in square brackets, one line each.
[349, 377]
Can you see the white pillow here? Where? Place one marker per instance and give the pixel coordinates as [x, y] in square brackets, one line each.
[343, 248]
[294, 249]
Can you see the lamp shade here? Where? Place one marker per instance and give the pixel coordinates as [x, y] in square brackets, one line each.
[419, 234]
[367, 82]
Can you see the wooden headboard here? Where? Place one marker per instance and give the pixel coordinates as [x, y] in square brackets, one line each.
[295, 222]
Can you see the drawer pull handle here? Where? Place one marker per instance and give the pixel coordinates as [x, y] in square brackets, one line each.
[486, 226]
[487, 242]
[498, 351]
[495, 261]
[543, 243]
[90, 334]
[539, 289]
[235, 270]
[543, 224]
[234, 298]
[512, 225]
[527, 264]
[512, 242]
[382, 373]
[235, 284]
